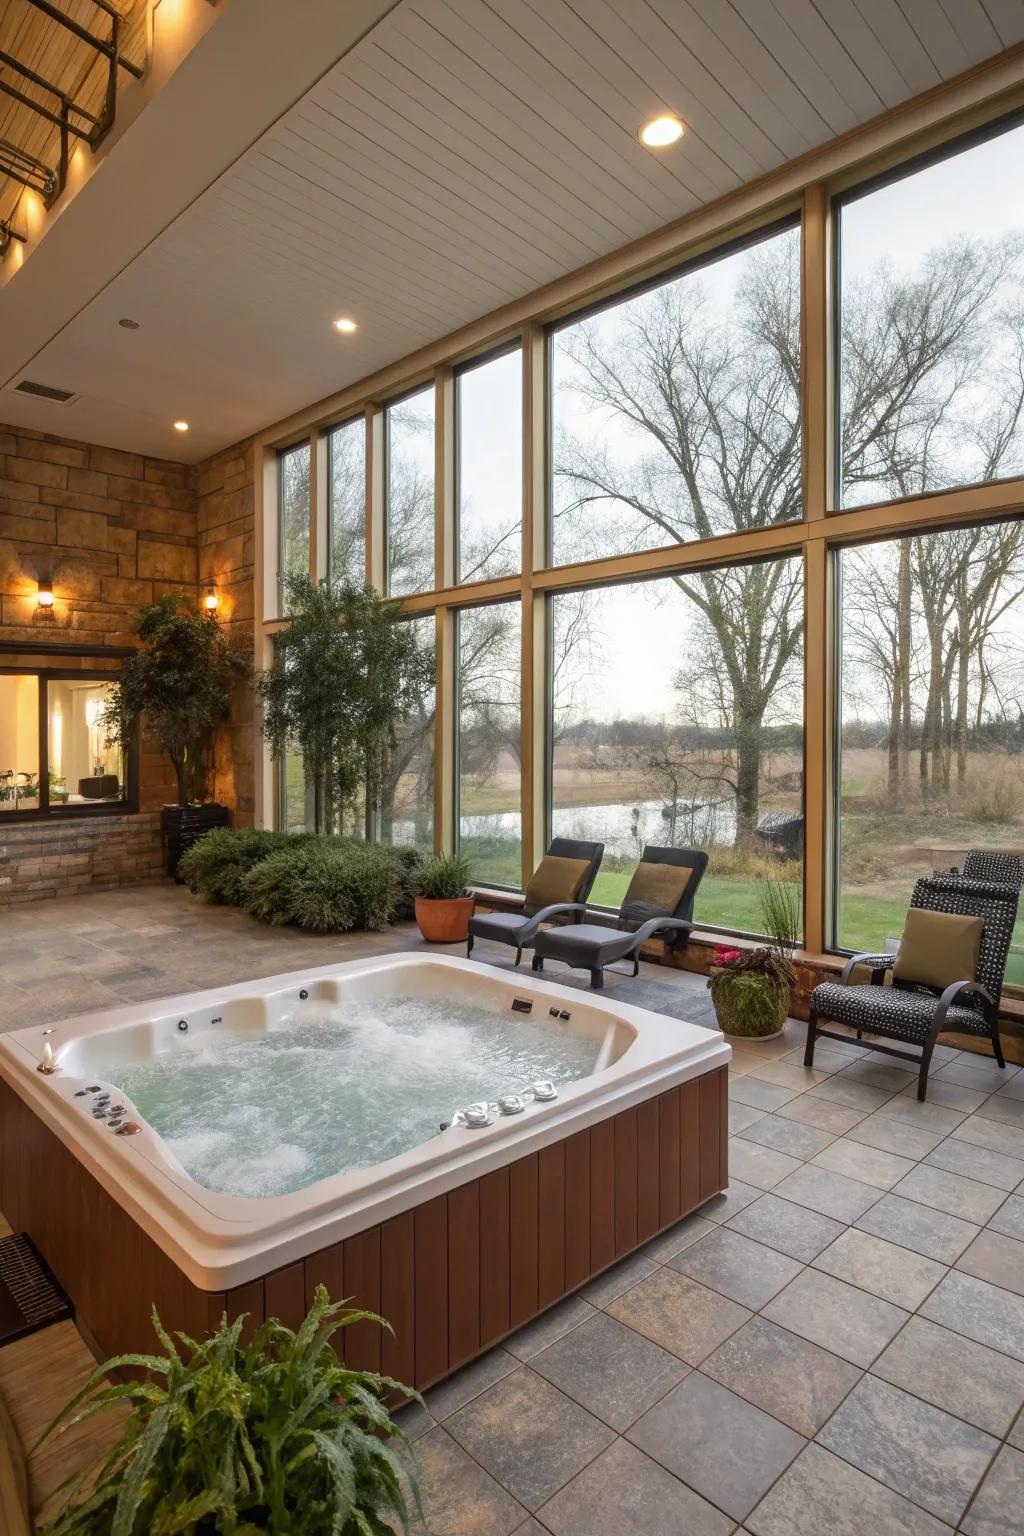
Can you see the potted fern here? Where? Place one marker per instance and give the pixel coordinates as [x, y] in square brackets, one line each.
[751, 988]
[226, 1439]
[444, 905]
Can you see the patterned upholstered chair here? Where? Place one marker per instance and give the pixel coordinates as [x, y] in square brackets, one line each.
[917, 1014]
[993, 868]
[566, 874]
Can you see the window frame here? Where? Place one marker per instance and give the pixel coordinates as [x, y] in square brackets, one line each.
[129, 804]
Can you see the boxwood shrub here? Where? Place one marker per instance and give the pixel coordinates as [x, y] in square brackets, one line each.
[216, 866]
[325, 884]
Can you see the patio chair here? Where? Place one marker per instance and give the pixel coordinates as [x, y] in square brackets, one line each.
[659, 901]
[560, 885]
[937, 983]
[994, 868]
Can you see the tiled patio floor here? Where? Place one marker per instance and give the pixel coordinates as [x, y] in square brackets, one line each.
[833, 1348]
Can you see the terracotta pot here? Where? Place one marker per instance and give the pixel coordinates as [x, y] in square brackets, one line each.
[445, 922]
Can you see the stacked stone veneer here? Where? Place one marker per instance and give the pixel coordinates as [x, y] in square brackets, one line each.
[113, 531]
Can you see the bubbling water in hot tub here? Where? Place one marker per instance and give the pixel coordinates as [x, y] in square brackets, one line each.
[337, 1089]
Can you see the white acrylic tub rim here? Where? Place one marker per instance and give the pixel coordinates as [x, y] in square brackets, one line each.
[220, 1241]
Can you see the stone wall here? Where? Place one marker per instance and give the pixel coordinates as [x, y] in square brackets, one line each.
[113, 531]
[44, 859]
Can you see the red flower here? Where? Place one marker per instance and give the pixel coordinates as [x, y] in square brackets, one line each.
[723, 954]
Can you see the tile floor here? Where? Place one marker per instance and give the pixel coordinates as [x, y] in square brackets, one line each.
[834, 1345]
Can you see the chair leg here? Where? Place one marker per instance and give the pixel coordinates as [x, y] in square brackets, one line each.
[812, 1035]
[469, 946]
[926, 1062]
[597, 979]
[997, 1047]
[519, 953]
[636, 965]
[537, 963]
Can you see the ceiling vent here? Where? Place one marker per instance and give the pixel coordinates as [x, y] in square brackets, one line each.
[45, 392]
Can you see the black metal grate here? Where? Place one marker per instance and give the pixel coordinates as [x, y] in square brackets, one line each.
[30, 1297]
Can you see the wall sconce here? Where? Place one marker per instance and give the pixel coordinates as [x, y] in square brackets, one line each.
[44, 596]
[210, 599]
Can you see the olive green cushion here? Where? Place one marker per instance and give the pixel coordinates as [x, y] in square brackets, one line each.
[659, 887]
[555, 879]
[938, 948]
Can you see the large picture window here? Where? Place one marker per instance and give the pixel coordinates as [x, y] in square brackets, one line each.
[931, 694]
[677, 719]
[294, 513]
[489, 817]
[407, 802]
[489, 436]
[54, 757]
[409, 511]
[346, 471]
[676, 412]
[932, 325]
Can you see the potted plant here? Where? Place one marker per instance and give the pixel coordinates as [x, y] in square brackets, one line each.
[751, 988]
[180, 679]
[275, 1435]
[444, 905]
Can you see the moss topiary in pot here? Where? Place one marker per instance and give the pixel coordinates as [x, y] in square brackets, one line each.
[443, 903]
[751, 988]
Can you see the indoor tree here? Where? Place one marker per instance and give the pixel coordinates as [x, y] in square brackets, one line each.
[345, 675]
[180, 680]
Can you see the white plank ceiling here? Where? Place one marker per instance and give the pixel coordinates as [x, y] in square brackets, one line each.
[462, 154]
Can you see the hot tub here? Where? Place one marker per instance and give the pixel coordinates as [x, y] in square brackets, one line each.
[303, 1142]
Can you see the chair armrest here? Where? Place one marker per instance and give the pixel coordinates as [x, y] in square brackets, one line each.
[957, 989]
[654, 924]
[547, 913]
[879, 965]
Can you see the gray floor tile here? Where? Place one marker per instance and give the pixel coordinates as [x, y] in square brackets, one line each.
[979, 1311]
[915, 1226]
[951, 1095]
[849, 1322]
[998, 1509]
[801, 1141]
[1016, 1435]
[977, 1072]
[977, 1163]
[928, 1116]
[676, 1238]
[744, 1270]
[792, 1229]
[454, 1393]
[893, 1079]
[997, 1259]
[620, 1277]
[868, 1164]
[950, 1192]
[885, 1269]
[613, 1372]
[789, 1074]
[823, 1113]
[829, 1056]
[989, 1133]
[915, 1449]
[966, 1379]
[721, 1207]
[683, 1317]
[624, 1490]
[759, 1166]
[759, 1094]
[797, 1381]
[548, 1327]
[1009, 1219]
[697, 1431]
[743, 1115]
[840, 1089]
[1004, 1111]
[413, 1420]
[830, 1194]
[821, 1493]
[894, 1136]
[529, 1436]
[459, 1497]
[1011, 1087]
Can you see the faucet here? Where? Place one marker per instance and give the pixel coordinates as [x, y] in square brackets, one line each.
[47, 1064]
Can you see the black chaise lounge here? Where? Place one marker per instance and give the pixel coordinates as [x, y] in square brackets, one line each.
[947, 974]
[659, 901]
[560, 886]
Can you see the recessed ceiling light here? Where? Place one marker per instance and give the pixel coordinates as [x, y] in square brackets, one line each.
[660, 132]
[345, 326]
[129, 325]
[181, 426]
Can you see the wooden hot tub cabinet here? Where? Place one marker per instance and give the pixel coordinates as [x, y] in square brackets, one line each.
[453, 1275]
